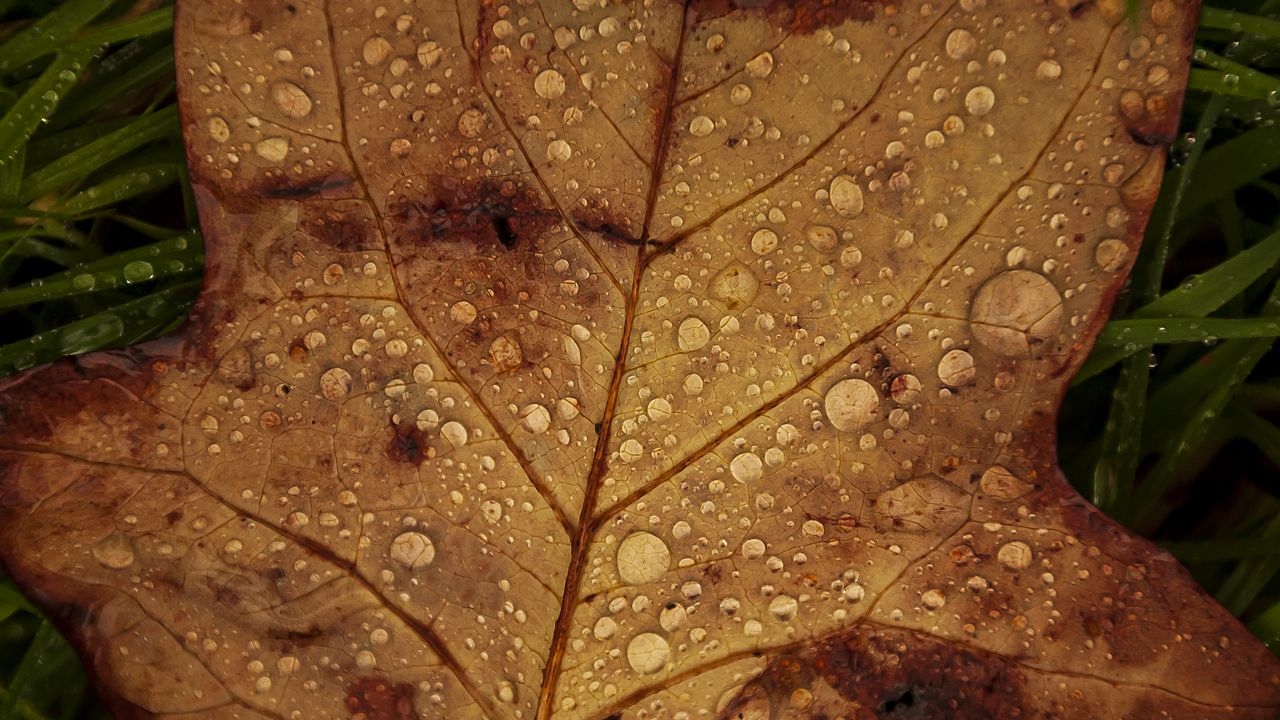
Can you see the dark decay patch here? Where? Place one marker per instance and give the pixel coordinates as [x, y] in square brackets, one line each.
[377, 698]
[409, 444]
[889, 675]
[1151, 134]
[282, 188]
[796, 17]
[306, 636]
[1078, 9]
[495, 214]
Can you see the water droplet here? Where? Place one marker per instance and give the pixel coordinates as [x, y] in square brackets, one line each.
[998, 482]
[1049, 70]
[274, 149]
[642, 558]
[746, 468]
[605, 628]
[846, 195]
[292, 100]
[219, 130]
[472, 123]
[693, 334]
[1111, 254]
[505, 354]
[783, 607]
[1015, 555]
[701, 126]
[979, 100]
[114, 551]
[535, 418]
[764, 241]
[647, 653]
[454, 433]
[956, 368]
[559, 150]
[851, 404]
[376, 50]
[413, 550]
[960, 44]
[138, 271]
[761, 65]
[335, 383]
[1016, 312]
[549, 84]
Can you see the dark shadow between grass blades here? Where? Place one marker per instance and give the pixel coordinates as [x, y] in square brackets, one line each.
[579, 361]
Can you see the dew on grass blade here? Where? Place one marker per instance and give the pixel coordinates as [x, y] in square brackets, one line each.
[138, 271]
[105, 328]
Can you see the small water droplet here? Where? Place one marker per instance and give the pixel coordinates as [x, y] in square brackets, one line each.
[138, 271]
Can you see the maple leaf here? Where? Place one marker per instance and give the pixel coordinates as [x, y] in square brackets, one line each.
[597, 360]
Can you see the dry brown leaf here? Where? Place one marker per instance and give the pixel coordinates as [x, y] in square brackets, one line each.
[848, 254]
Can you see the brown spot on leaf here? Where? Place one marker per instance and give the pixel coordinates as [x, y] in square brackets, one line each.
[408, 444]
[798, 17]
[281, 188]
[890, 675]
[377, 698]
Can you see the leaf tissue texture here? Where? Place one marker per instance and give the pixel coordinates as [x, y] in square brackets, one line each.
[587, 359]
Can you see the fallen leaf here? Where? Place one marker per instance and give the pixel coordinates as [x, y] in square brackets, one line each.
[598, 360]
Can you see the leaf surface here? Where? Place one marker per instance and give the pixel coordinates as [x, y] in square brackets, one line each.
[646, 360]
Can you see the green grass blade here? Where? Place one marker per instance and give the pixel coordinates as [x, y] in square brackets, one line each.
[1253, 427]
[1227, 168]
[156, 21]
[1267, 627]
[185, 248]
[115, 79]
[1238, 22]
[1196, 297]
[80, 163]
[1225, 84]
[11, 174]
[1205, 293]
[47, 148]
[122, 187]
[1146, 332]
[85, 282]
[50, 33]
[1249, 577]
[49, 673]
[1216, 551]
[39, 101]
[1193, 426]
[11, 601]
[1243, 74]
[105, 329]
[1117, 465]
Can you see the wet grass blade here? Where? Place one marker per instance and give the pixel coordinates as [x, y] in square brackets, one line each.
[1115, 470]
[78, 164]
[119, 188]
[50, 33]
[1146, 332]
[109, 328]
[1236, 22]
[39, 101]
[1196, 297]
[48, 681]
